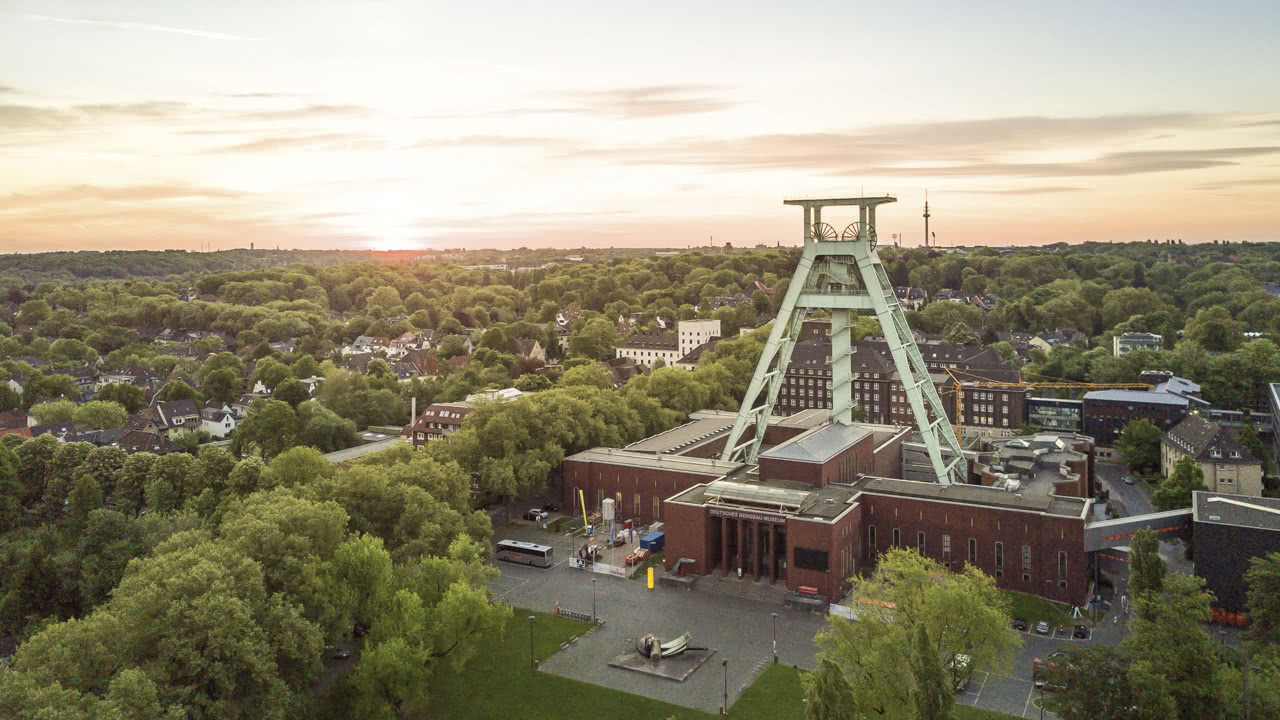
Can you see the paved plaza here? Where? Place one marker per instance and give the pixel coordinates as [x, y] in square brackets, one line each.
[739, 629]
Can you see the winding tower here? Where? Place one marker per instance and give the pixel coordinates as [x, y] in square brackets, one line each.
[841, 273]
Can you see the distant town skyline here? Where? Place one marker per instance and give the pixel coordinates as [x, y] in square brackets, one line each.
[144, 124]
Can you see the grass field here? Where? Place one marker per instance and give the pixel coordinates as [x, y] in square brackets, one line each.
[499, 682]
[1034, 609]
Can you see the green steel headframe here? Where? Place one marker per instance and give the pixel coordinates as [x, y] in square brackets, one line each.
[843, 274]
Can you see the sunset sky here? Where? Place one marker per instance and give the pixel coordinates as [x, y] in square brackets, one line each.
[403, 124]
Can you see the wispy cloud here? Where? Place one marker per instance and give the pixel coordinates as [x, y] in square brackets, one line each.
[1041, 190]
[1256, 182]
[315, 141]
[126, 25]
[310, 112]
[6, 90]
[79, 195]
[629, 103]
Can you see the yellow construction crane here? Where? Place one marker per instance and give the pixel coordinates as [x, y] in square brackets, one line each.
[961, 385]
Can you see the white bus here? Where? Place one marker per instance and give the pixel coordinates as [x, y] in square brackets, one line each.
[524, 552]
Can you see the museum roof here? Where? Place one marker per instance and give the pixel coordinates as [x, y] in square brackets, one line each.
[1241, 511]
[819, 444]
[673, 463]
[1056, 505]
[702, 426]
[1136, 396]
[779, 497]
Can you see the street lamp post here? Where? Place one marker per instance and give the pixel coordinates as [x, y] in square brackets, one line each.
[532, 663]
[724, 709]
[1042, 702]
[774, 615]
[593, 600]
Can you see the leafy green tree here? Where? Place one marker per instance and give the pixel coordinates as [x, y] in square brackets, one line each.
[223, 385]
[827, 695]
[1139, 445]
[1092, 683]
[906, 595]
[1146, 567]
[291, 391]
[132, 397]
[531, 382]
[962, 334]
[1214, 329]
[54, 411]
[595, 339]
[590, 375]
[177, 390]
[1175, 491]
[131, 482]
[1168, 648]
[10, 491]
[270, 372]
[100, 415]
[167, 482]
[1249, 439]
[299, 466]
[1263, 578]
[270, 427]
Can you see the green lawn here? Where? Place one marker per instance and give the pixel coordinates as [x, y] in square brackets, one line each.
[1034, 609]
[499, 682]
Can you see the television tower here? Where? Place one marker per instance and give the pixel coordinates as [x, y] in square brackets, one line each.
[926, 218]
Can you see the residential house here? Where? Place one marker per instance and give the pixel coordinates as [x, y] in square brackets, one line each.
[285, 347]
[358, 362]
[911, 298]
[531, 349]
[312, 384]
[459, 361]
[690, 360]
[97, 438]
[623, 369]
[423, 360]
[218, 421]
[1228, 466]
[136, 441]
[85, 377]
[178, 416]
[12, 419]
[57, 429]
[648, 348]
[405, 371]
[1125, 343]
[241, 405]
[436, 421]
[1047, 341]
[949, 295]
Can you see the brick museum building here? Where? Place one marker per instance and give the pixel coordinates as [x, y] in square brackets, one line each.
[823, 499]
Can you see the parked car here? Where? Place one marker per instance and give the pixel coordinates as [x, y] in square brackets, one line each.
[534, 514]
[1042, 627]
[1081, 632]
[338, 653]
[1128, 479]
[1019, 624]
[551, 507]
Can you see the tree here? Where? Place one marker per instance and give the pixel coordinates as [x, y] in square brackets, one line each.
[1263, 577]
[322, 428]
[827, 695]
[531, 382]
[908, 596]
[1213, 329]
[1249, 439]
[177, 390]
[595, 340]
[223, 385]
[1168, 648]
[100, 415]
[10, 491]
[1146, 568]
[1092, 683]
[592, 375]
[934, 693]
[270, 372]
[962, 334]
[291, 391]
[53, 411]
[299, 466]
[270, 426]
[132, 397]
[1139, 445]
[1175, 492]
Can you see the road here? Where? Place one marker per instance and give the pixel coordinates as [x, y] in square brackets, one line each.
[1136, 499]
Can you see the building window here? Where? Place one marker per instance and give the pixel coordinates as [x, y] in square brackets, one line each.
[871, 536]
[973, 551]
[920, 542]
[1062, 564]
[1026, 557]
[1026, 577]
[999, 554]
[946, 547]
[636, 507]
[897, 537]
[657, 505]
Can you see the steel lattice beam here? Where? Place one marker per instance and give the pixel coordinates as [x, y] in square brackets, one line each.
[844, 276]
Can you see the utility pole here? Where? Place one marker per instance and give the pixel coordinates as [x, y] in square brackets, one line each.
[532, 663]
[774, 615]
[724, 710]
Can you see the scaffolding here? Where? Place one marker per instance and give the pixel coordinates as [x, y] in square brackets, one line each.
[842, 273]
